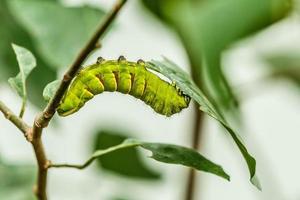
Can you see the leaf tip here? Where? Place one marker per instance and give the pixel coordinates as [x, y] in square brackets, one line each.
[255, 181]
[226, 176]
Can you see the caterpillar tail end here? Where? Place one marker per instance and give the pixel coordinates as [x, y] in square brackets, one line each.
[65, 109]
[63, 113]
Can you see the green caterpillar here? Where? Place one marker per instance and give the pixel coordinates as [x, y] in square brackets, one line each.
[125, 77]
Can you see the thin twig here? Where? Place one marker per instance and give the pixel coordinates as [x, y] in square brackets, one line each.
[191, 182]
[42, 119]
[198, 128]
[17, 121]
[96, 155]
[48, 113]
[24, 98]
[23, 107]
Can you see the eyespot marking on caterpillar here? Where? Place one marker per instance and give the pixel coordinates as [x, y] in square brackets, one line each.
[140, 62]
[100, 60]
[126, 77]
[121, 59]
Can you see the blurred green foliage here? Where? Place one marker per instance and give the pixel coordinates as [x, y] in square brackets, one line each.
[119, 198]
[208, 27]
[47, 29]
[59, 32]
[16, 181]
[284, 65]
[11, 32]
[50, 89]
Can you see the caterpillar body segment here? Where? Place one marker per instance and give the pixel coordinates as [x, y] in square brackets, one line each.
[125, 77]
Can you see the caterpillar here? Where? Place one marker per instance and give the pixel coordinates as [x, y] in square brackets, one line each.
[126, 77]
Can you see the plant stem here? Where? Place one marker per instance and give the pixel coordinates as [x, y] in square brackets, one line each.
[17, 121]
[45, 117]
[22, 111]
[42, 119]
[198, 125]
[191, 182]
[40, 189]
[96, 155]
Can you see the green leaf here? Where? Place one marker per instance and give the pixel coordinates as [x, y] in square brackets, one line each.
[207, 28]
[59, 32]
[27, 63]
[215, 26]
[166, 153]
[186, 84]
[175, 154]
[10, 32]
[50, 90]
[127, 162]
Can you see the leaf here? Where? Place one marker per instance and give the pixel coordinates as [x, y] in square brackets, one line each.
[50, 90]
[166, 153]
[175, 154]
[52, 26]
[186, 84]
[27, 63]
[127, 162]
[10, 32]
[207, 28]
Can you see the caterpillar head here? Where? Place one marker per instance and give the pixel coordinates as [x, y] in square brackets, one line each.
[184, 100]
[186, 97]
[179, 101]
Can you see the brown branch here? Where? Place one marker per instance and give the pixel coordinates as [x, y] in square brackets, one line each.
[49, 111]
[40, 188]
[191, 182]
[198, 127]
[17, 121]
[42, 119]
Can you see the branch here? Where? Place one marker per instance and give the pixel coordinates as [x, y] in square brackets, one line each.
[45, 117]
[96, 155]
[23, 107]
[17, 121]
[197, 131]
[42, 119]
[197, 134]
